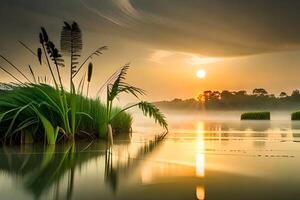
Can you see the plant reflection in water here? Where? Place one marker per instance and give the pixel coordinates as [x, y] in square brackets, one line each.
[51, 169]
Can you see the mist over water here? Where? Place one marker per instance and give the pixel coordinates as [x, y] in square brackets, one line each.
[214, 121]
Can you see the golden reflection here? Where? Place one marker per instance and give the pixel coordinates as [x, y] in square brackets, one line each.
[200, 147]
[200, 192]
[200, 128]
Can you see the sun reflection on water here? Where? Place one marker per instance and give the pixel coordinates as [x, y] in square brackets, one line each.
[200, 146]
[200, 192]
[200, 158]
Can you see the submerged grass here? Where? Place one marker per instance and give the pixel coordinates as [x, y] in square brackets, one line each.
[256, 116]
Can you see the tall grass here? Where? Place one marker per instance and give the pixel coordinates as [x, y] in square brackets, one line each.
[52, 114]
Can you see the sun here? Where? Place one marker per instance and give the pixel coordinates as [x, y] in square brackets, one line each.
[201, 73]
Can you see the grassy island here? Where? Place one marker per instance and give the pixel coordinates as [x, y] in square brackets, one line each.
[39, 108]
[256, 116]
[295, 115]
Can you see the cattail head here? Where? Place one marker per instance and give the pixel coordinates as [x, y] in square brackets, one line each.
[90, 71]
[39, 53]
[41, 38]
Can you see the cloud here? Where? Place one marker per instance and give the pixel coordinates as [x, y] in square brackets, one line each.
[158, 55]
[126, 7]
[97, 12]
[164, 56]
[218, 27]
[207, 27]
[201, 60]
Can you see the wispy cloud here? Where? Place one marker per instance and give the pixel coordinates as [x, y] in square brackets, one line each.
[98, 13]
[161, 56]
[158, 55]
[201, 60]
[126, 7]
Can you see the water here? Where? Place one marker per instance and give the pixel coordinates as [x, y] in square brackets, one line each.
[215, 156]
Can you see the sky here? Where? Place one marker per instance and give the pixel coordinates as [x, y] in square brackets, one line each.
[240, 44]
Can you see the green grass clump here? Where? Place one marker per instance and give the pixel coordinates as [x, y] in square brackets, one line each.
[24, 107]
[33, 110]
[256, 116]
[295, 115]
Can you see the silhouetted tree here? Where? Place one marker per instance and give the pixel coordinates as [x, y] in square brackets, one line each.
[259, 92]
[237, 100]
[207, 95]
[226, 94]
[241, 93]
[295, 93]
[215, 95]
[283, 95]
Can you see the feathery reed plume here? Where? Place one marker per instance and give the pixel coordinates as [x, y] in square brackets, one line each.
[56, 58]
[71, 44]
[53, 53]
[43, 36]
[89, 78]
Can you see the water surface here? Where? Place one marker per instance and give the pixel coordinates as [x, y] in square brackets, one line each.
[201, 158]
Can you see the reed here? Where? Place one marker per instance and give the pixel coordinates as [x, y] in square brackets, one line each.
[50, 114]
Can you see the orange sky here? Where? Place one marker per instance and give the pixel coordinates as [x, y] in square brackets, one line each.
[241, 45]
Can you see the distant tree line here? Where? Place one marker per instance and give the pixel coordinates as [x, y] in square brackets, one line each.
[259, 99]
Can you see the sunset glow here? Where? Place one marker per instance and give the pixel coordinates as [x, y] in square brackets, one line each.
[129, 99]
